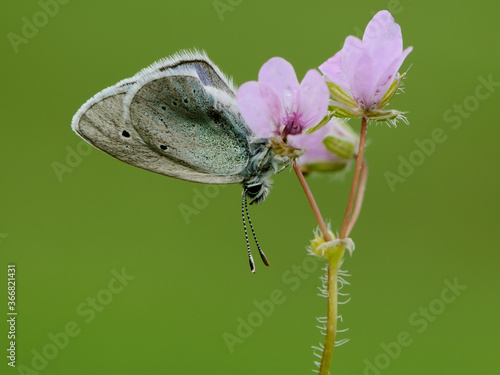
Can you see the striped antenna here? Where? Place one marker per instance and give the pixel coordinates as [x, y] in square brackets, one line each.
[262, 255]
[250, 257]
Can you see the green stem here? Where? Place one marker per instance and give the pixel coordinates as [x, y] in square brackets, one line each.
[334, 264]
[335, 261]
[333, 267]
[331, 318]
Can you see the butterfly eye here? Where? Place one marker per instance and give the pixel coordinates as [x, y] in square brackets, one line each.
[253, 190]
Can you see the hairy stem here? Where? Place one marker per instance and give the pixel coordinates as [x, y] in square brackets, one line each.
[357, 193]
[331, 322]
[334, 263]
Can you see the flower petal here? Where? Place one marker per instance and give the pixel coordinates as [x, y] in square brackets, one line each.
[367, 68]
[260, 107]
[383, 31]
[316, 151]
[313, 99]
[358, 66]
[383, 41]
[280, 75]
[332, 69]
[387, 77]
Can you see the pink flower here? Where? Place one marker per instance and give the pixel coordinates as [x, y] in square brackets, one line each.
[363, 76]
[277, 105]
[331, 148]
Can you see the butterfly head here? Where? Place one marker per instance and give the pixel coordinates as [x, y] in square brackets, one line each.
[264, 162]
[257, 189]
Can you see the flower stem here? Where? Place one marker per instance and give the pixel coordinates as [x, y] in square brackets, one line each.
[331, 318]
[333, 266]
[350, 218]
[357, 193]
[312, 202]
[355, 181]
[359, 198]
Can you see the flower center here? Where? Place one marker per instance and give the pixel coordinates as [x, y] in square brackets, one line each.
[292, 125]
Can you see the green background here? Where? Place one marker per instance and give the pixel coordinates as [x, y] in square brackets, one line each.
[192, 282]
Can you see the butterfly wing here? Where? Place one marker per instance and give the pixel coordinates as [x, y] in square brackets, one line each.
[208, 73]
[100, 122]
[193, 125]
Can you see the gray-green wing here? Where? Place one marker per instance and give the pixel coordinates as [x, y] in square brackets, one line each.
[199, 63]
[195, 126]
[100, 122]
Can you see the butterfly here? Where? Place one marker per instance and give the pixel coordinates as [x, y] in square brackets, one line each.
[179, 117]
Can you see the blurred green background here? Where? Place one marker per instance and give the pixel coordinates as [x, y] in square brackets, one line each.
[69, 235]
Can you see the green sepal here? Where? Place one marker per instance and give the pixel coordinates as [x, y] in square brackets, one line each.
[339, 147]
[392, 90]
[280, 147]
[340, 95]
[323, 122]
[340, 112]
[323, 167]
[379, 115]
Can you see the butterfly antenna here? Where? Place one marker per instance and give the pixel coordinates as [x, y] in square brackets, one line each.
[250, 257]
[262, 255]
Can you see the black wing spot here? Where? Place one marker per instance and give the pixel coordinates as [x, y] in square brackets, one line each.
[174, 103]
[163, 107]
[186, 101]
[194, 91]
[126, 134]
[163, 147]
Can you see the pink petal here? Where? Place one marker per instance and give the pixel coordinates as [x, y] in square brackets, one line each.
[260, 107]
[316, 152]
[387, 77]
[332, 69]
[382, 30]
[371, 65]
[280, 75]
[383, 41]
[312, 142]
[313, 98]
[358, 67]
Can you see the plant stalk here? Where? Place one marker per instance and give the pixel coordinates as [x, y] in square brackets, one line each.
[355, 180]
[359, 198]
[312, 202]
[356, 194]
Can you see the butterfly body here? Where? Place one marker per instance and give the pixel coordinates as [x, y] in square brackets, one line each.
[179, 118]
